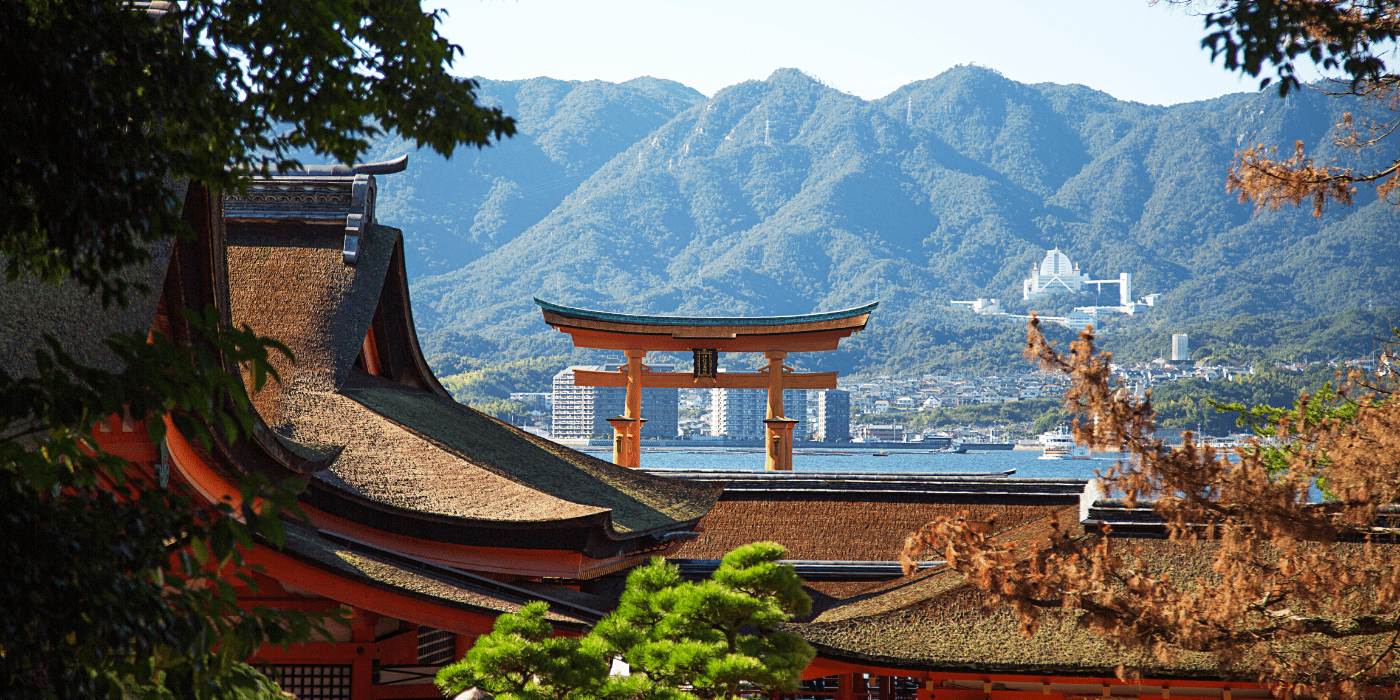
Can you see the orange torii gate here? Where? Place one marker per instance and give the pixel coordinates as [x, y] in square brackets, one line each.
[705, 338]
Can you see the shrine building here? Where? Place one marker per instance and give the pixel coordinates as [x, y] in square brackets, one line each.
[428, 519]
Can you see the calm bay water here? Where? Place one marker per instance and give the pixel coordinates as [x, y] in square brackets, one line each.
[1027, 464]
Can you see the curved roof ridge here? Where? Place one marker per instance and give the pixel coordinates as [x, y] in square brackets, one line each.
[705, 320]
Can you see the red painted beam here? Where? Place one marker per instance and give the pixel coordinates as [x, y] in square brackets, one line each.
[796, 342]
[723, 380]
[291, 603]
[371, 598]
[317, 653]
[421, 690]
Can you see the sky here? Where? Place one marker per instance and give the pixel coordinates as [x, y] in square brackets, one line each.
[1130, 49]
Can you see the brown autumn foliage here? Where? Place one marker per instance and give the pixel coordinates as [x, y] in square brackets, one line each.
[1352, 37]
[1303, 597]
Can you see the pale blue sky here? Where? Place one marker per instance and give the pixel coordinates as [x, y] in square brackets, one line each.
[1130, 49]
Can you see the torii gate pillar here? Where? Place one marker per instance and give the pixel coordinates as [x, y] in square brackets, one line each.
[627, 428]
[777, 427]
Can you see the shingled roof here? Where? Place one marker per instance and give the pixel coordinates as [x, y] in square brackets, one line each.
[858, 517]
[423, 580]
[935, 621]
[397, 449]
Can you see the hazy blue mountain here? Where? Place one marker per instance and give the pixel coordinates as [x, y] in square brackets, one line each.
[788, 196]
[455, 211]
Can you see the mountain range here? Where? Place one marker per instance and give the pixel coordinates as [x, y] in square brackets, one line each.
[787, 196]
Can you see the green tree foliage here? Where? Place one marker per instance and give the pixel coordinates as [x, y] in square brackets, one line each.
[681, 639]
[93, 603]
[991, 347]
[1251, 338]
[487, 387]
[1035, 411]
[115, 105]
[1198, 405]
[477, 380]
[120, 586]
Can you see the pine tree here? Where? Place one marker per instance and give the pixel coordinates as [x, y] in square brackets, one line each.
[681, 639]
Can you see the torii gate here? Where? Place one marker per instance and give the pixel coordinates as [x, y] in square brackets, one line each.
[705, 338]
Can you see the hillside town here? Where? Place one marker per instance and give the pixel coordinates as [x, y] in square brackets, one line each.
[859, 410]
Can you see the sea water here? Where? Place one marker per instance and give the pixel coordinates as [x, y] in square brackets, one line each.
[1027, 464]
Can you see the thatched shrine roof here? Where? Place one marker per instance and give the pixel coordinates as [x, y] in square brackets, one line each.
[394, 447]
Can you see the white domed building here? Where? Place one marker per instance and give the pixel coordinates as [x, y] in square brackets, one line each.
[1054, 275]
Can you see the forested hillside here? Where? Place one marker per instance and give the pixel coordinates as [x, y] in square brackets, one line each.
[456, 211]
[787, 196]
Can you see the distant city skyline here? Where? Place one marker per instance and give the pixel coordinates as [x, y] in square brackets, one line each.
[1132, 50]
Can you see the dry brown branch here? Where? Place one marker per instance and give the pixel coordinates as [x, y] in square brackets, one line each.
[1260, 176]
[1304, 597]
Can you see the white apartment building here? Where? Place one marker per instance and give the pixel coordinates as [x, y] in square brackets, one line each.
[583, 411]
[833, 413]
[738, 413]
[1181, 347]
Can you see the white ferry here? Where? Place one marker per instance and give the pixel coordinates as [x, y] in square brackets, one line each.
[1059, 444]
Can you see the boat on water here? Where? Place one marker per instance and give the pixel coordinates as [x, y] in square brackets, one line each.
[1059, 444]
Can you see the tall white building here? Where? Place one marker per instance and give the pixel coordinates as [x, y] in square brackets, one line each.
[795, 406]
[833, 414]
[583, 411]
[1055, 274]
[1181, 347]
[739, 413]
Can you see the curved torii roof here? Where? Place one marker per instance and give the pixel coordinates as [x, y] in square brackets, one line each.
[613, 331]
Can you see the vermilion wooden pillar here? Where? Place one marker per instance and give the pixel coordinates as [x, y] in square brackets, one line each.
[846, 686]
[627, 428]
[362, 668]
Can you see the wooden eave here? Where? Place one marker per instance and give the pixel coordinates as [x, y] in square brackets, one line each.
[828, 663]
[609, 331]
[379, 597]
[198, 277]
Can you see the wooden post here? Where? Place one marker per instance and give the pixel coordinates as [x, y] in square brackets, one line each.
[361, 675]
[362, 624]
[846, 686]
[626, 441]
[778, 432]
[775, 383]
[772, 445]
[634, 383]
[777, 427]
[633, 409]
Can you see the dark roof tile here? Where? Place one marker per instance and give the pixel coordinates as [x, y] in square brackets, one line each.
[401, 446]
[422, 580]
